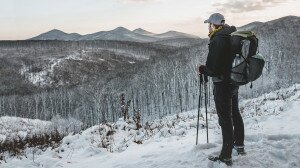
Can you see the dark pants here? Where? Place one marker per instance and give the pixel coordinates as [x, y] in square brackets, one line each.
[230, 120]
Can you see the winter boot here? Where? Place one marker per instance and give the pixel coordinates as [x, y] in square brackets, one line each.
[240, 150]
[227, 161]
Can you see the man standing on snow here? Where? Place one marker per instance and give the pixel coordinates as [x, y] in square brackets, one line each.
[218, 66]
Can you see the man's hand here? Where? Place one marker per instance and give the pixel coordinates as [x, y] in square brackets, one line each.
[199, 69]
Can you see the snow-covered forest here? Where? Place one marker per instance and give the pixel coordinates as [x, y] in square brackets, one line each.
[61, 100]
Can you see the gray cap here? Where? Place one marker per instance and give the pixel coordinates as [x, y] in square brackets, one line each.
[216, 18]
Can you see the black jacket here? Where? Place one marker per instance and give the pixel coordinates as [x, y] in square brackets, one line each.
[219, 59]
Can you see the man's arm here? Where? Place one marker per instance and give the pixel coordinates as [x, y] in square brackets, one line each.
[216, 58]
[204, 70]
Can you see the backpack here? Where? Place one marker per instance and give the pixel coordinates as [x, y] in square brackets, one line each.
[247, 63]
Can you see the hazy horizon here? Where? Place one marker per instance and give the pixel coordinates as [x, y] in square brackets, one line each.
[23, 20]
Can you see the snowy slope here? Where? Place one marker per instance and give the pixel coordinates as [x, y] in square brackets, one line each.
[16, 127]
[11, 127]
[272, 140]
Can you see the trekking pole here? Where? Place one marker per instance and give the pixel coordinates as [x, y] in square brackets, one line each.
[205, 99]
[209, 92]
[199, 104]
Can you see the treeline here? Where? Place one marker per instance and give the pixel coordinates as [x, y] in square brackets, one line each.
[142, 49]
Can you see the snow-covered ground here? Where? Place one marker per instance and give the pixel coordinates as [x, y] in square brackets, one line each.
[20, 128]
[12, 127]
[272, 140]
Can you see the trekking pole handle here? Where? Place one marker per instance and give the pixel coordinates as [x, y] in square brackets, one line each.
[201, 78]
[205, 78]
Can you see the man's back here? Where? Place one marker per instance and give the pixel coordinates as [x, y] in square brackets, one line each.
[219, 58]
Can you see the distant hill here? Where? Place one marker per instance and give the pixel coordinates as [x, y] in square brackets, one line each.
[174, 34]
[57, 35]
[283, 22]
[143, 32]
[250, 25]
[118, 34]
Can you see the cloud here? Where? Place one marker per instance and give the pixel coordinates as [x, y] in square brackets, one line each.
[238, 6]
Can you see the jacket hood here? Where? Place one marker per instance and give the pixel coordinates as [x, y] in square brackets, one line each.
[226, 30]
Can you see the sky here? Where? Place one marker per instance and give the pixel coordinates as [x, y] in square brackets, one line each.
[23, 19]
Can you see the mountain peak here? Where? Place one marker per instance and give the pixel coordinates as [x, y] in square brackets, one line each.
[139, 29]
[175, 34]
[142, 31]
[55, 31]
[171, 31]
[120, 28]
[56, 34]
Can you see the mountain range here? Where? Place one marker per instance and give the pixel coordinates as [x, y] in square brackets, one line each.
[118, 34]
[123, 34]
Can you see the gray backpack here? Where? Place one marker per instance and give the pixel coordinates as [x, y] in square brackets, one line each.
[247, 63]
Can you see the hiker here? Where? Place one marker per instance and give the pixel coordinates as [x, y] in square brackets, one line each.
[218, 66]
